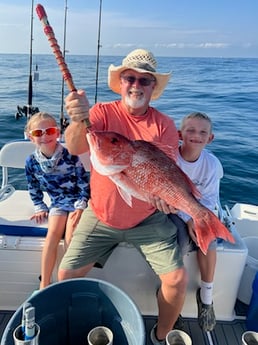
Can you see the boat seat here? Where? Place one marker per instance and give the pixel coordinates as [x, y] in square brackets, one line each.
[16, 207]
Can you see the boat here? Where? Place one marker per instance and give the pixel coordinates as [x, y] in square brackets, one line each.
[126, 276]
[21, 243]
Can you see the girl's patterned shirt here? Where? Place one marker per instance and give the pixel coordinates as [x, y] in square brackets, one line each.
[67, 184]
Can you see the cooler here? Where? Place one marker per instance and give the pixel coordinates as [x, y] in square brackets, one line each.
[251, 267]
[245, 217]
[231, 259]
[20, 268]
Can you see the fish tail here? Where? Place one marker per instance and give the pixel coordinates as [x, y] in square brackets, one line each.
[208, 227]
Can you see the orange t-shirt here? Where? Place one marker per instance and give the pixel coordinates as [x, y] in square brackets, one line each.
[155, 127]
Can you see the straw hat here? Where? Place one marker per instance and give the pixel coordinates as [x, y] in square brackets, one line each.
[141, 61]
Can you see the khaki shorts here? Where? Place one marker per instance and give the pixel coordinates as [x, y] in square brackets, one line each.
[93, 242]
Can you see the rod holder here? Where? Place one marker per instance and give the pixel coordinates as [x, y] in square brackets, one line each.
[18, 336]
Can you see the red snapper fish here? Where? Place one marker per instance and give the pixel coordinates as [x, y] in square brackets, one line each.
[140, 169]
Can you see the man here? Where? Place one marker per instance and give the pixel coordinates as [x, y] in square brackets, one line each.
[109, 220]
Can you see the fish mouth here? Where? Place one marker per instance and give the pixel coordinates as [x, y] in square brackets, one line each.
[93, 140]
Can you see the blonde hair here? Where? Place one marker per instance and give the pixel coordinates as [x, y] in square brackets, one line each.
[36, 118]
[196, 115]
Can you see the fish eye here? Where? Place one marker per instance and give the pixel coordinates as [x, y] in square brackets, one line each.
[114, 140]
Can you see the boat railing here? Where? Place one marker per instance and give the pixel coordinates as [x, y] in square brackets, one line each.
[6, 191]
[12, 155]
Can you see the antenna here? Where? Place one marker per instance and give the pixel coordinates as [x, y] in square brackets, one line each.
[98, 49]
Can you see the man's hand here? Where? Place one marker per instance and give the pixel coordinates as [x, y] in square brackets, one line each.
[77, 106]
[161, 205]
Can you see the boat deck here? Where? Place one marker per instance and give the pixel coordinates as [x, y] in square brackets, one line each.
[225, 332]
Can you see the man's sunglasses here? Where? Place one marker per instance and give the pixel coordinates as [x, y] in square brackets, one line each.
[40, 132]
[143, 81]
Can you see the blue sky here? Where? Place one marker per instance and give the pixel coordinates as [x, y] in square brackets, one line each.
[204, 28]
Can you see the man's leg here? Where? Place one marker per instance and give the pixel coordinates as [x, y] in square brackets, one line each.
[170, 298]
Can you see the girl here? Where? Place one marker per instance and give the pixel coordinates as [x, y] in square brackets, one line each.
[52, 169]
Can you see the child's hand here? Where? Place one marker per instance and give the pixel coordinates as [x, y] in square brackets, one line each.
[40, 217]
[191, 230]
[75, 217]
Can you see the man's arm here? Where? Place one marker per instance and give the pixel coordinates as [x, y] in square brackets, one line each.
[75, 138]
[77, 107]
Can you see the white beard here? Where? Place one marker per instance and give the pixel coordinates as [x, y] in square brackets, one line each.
[135, 103]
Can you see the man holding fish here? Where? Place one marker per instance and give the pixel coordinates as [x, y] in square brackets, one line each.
[125, 199]
[108, 215]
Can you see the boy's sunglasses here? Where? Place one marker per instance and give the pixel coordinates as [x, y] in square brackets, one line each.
[143, 81]
[40, 132]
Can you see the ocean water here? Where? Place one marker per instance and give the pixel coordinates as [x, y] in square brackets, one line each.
[226, 89]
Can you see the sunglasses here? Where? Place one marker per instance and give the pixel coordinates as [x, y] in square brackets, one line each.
[143, 81]
[40, 132]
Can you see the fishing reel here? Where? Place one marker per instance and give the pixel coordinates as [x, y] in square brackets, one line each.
[25, 111]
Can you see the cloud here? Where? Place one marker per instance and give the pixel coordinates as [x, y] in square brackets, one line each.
[122, 32]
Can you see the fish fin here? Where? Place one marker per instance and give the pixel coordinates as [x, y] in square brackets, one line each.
[167, 149]
[127, 189]
[208, 227]
[127, 197]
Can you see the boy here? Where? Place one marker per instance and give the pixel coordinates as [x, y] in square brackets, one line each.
[205, 170]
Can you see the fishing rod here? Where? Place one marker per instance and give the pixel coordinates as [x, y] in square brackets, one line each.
[29, 106]
[57, 52]
[98, 50]
[29, 110]
[63, 120]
